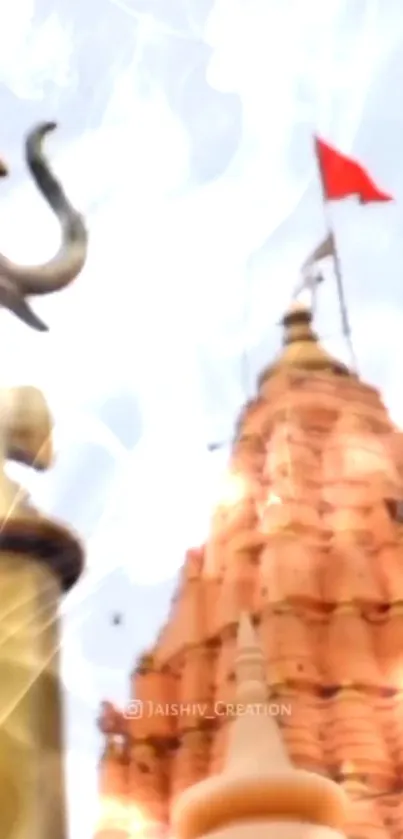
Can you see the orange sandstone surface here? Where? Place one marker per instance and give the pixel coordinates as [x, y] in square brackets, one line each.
[307, 541]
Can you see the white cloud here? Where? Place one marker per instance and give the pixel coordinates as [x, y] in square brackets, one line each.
[159, 506]
[33, 57]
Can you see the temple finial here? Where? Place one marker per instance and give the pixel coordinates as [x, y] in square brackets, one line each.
[302, 349]
[297, 324]
[249, 664]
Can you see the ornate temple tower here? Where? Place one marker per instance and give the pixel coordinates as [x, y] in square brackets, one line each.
[39, 560]
[307, 540]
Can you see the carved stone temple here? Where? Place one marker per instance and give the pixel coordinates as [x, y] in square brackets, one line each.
[296, 600]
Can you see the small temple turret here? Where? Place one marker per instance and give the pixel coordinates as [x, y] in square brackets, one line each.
[306, 539]
[258, 789]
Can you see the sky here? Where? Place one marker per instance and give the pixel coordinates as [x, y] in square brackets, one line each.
[186, 139]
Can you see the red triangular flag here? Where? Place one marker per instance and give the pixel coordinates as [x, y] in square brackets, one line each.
[343, 177]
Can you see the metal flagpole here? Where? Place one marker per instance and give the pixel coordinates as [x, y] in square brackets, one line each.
[337, 267]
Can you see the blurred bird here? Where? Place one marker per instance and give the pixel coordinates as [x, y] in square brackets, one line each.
[117, 619]
[213, 447]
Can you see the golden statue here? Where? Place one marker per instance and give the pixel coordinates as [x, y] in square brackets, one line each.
[39, 559]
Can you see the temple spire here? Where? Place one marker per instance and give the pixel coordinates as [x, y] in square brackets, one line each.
[255, 737]
[258, 786]
[249, 664]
